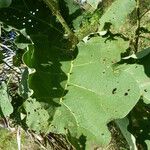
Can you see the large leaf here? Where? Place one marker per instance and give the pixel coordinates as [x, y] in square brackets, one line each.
[36, 22]
[97, 93]
[5, 105]
[117, 13]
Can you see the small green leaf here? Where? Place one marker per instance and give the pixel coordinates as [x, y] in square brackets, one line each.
[37, 117]
[5, 105]
[24, 89]
[139, 54]
[123, 125]
[143, 53]
[147, 144]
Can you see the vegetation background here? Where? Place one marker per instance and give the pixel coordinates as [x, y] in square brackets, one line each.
[47, 36]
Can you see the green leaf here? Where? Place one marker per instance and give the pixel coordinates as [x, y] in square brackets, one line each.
[36, 116]
[140, 54]
[72, 13]
[140, 71]
[5, 3]
[117, 13]
[97, 93]
[5, 105]
[24, 89]
[123, 125]
[22, 40]
[147, 144]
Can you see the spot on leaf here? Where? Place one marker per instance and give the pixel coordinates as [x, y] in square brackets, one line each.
[114, 91]
[126, 94]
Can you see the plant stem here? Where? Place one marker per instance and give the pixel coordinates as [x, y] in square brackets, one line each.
[144, 13]
[73, 40]
[11, 67]
[137, 31]
[53, 7]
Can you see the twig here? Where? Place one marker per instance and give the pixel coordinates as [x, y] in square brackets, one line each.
[6, 47]
[6, 121]
[70, 34]
[145, 13]
[56, 12]
[0, 29]
[11, 67]
[19, 138]
[137, 31]
[35, 138]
